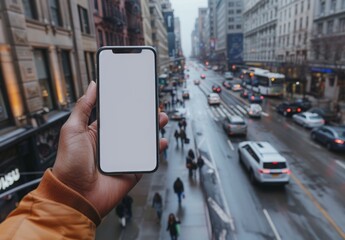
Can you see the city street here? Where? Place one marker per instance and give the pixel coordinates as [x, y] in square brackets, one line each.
[310, 207]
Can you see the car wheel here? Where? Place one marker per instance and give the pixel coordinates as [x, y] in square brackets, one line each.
[329, 146]
[252, 177]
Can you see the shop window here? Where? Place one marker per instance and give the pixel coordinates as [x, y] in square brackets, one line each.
[90, 66]
[43, 75]
[67, 72]
[84, 20]
[30, 9]
[4, 107]
[55, 12]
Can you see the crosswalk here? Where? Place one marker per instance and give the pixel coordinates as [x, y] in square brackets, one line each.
[220, 112]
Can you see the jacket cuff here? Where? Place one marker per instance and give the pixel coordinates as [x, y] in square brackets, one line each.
[53, 189]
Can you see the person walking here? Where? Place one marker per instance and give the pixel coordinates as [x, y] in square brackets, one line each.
[127, 203]
[184, 124]
[190, 162]
[183, 137]
[180, 124]
[157, 204]
[173, 226]
[176, 135]
[179, 189]
[120, 212]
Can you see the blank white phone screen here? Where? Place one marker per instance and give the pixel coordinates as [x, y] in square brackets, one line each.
[127, 111]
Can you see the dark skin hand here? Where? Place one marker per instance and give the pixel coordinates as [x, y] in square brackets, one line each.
[76, 164]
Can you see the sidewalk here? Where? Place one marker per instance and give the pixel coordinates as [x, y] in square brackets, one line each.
[192, 213]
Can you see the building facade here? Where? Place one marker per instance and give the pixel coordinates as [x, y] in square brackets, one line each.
[47, 51]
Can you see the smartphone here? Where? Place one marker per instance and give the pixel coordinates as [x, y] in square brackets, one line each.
[127, 110]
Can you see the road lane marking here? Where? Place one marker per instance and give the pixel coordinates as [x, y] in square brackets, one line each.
[237, 112]
[201, 142]
[340, 164]
[230, 145]
[221, 112]
[265, 114]
[220, 212]
[215, 112]
[318, 206]
[276, 234]
[241, 109]
[211, 115]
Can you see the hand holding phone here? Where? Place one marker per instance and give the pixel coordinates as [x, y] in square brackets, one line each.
[127, 109]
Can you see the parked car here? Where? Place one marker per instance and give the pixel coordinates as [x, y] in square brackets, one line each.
[254, 110]
[255, 97]
[303, 103]
[308, 119]
[235, 125]
[227, 84]
[228, 75]
[327, 114]
[332, 137]
[216, 88]
[288, 109]
[213, 99]
[202, 76]
[185, 94]
[196, 81]
[178, 114]
[264, 163]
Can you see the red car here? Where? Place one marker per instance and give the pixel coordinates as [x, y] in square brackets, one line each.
[216, 89]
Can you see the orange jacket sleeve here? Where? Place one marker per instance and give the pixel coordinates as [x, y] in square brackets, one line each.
[52, 211]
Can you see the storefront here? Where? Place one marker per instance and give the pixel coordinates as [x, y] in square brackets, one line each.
[320, 79]
[24, 158]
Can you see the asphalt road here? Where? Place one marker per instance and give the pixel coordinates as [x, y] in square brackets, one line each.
[312, 206]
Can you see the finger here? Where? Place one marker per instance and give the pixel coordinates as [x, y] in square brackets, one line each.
[82, 110]
[163, 144]
[163, 119]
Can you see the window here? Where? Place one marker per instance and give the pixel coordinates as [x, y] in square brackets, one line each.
[238, 26]
[100, 38]
[320, 28]
[301, 23]
[90, 66]
[67, 72]
[96, 5]
[4, 116]
[333, 5]
[343, 4]
[302, 6]
[238, 11]
[296, 9]
[107, 37]
[84, 20]
[231, 19]
[252, 153]
[231, 27]
[322, 7]
[30, 9]
[55, 12]
[330, 25]
[342, 25]
[231, 11]
[231, 4]
[43, 75]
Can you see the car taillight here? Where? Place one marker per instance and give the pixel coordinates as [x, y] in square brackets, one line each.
[265, 171]
[286, 171]
[288, 110]
[218, 89]
[261, 97]
[339, 141]
[252, 97]
[299, 110]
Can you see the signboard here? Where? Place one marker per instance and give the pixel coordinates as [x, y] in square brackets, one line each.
[169, 21]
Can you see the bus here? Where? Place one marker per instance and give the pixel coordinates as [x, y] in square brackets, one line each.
[263, 81]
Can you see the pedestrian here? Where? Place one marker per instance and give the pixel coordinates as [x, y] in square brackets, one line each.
[180, 124]
[184, 124]
[162, 132]
[189, 166]
[157, 204]
[127, 203]
[183, 136]
[173, 226]
[179, 189]
[168, 104]
[200, 162]
[178, 102]
[120, 212]
[177, 136]
[191, 154]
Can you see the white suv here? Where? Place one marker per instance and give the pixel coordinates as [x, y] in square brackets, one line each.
[213, 99]
[264, 163]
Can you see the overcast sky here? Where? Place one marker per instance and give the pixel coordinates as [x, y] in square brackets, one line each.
[187, 11]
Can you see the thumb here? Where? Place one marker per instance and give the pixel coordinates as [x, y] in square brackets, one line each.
[82, 110]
